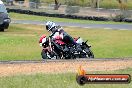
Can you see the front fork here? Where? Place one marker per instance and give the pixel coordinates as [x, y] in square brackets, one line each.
[50, 45]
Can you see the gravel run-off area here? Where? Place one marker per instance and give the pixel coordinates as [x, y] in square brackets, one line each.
[10, 69]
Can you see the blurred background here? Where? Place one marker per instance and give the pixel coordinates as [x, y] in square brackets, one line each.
[99, 8]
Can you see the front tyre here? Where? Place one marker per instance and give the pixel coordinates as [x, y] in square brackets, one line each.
[48, 55]
[44, 54]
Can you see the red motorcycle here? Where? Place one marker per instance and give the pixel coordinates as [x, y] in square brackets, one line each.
[57, 49]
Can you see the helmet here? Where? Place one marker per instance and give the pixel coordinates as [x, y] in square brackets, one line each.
[50, 25]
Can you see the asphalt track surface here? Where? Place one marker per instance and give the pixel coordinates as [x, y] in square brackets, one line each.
[64, 60]
[104, 26]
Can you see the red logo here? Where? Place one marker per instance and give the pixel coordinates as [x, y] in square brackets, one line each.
[83, 78]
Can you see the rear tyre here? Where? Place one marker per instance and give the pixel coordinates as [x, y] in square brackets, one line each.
[89, 53]
[2, 30]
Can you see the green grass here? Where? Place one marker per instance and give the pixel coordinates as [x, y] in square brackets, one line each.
[20, 42]
[61, 80]
[17, 16]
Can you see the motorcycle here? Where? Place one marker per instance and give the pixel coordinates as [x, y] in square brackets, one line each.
[86, 53]
[57, 49]
[54, 49]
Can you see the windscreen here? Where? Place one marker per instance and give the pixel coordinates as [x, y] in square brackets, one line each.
[2, 8]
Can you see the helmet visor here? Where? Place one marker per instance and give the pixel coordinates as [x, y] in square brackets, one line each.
[47, 28]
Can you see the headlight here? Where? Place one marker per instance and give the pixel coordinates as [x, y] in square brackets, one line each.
[40, 44]
[7, 20]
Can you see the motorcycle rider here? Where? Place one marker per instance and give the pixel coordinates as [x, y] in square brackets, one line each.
[58, 33]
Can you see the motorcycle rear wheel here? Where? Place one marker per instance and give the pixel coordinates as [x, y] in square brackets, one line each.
[89, 53]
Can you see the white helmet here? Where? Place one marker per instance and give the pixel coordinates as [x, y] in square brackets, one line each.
[50, 25]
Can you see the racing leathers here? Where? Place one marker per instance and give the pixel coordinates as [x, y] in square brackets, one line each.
[60, 34]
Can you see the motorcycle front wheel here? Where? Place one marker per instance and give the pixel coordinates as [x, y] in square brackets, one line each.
[44, 55]
[47, 55]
